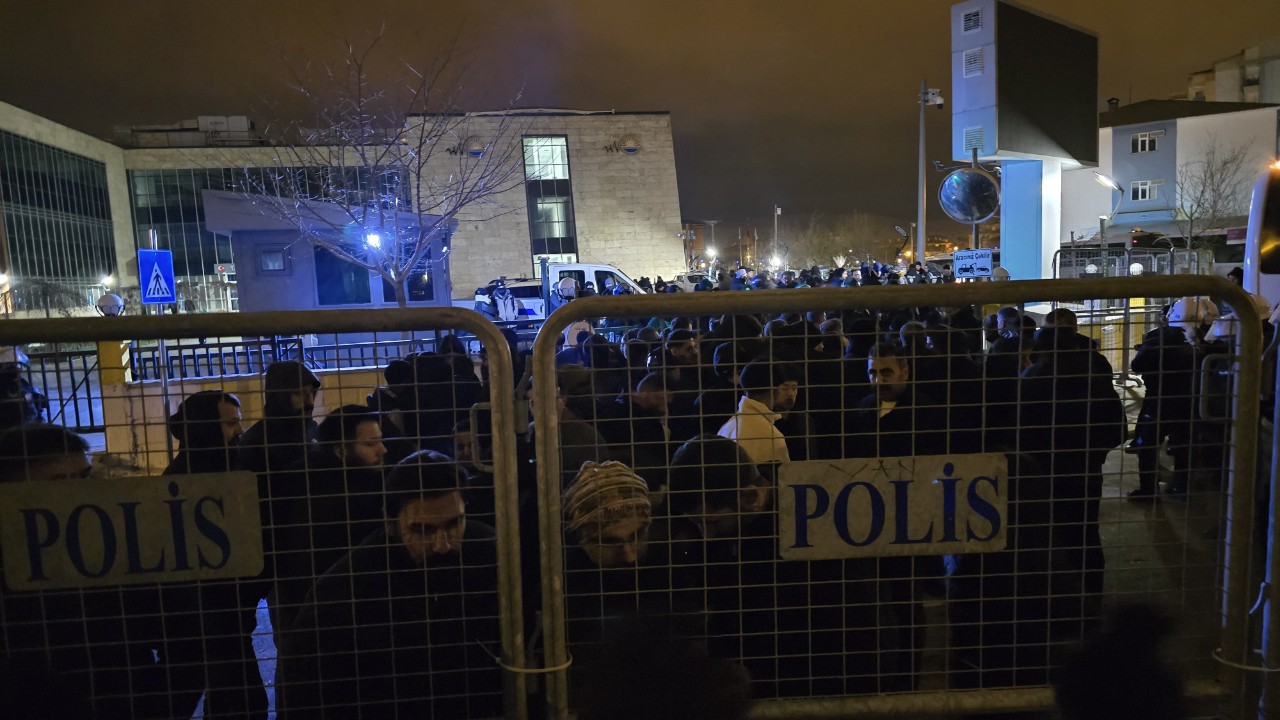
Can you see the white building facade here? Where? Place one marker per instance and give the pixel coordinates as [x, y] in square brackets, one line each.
[1145, 148]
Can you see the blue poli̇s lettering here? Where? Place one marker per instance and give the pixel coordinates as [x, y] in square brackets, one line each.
[133, 553]
[821, 502]
[75, 549]
[179, 529]
[902, 515]
[38, 541]
[212, 533]
[948, 504]
[983, 509]
[876, 506]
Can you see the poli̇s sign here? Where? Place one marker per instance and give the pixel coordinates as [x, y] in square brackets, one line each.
[119, 531]
[925, 505]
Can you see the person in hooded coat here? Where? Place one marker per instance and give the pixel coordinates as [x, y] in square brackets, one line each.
[280, 440]
[207, 427]
[1069, 417]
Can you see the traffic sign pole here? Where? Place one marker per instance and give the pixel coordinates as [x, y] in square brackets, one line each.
[147, 276]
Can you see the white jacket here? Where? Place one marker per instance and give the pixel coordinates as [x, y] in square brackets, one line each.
[752, 428]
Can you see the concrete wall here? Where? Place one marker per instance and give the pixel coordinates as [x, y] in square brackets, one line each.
[626, 206]
[1083, 198]
[1255, 129]
[20, 122]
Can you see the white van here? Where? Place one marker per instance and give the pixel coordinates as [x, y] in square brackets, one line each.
[531, 295]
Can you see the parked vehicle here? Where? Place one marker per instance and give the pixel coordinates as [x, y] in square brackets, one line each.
[687, 281]
[514, 299]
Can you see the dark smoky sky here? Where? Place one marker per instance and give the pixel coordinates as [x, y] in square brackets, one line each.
[809, 104]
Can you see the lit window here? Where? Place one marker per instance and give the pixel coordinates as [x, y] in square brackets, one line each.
[271, 261]
[1144, 142]
[546, 158]
[1143, 190]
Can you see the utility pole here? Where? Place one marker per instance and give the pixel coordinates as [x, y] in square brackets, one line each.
[777, 212]
[928, 96]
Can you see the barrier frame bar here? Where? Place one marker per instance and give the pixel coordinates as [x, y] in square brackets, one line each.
[1239, 511]
[510, 602]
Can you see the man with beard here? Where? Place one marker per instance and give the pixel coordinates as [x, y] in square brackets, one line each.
[896, 419]
[342, 504]
[402, 625]
[207, 427]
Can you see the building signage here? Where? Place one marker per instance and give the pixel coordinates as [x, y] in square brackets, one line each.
[155, 271]
[973, 263]
[926, 505]
[121, 531]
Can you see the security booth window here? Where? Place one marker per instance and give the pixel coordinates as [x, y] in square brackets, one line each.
[418, 286]
[339, 282]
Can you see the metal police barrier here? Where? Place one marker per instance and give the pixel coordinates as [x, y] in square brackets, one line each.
[860, 553]
[135, 593]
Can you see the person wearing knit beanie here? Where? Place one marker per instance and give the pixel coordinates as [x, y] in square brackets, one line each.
[607, 512]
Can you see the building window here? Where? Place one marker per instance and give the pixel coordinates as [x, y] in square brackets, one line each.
[273, 261]
[1144, 142]
[418, 286]
[339, 282]
[56, 222]
[546, 158]
[1143, 190]
[549, 192]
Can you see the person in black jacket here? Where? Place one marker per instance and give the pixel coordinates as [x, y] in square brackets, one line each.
[280, 440]
[212, 652]
[85, 652]
[342, 504]
[1070, 416]
[404, 624]
[765, 612]
[1168, 362]
[897, 419]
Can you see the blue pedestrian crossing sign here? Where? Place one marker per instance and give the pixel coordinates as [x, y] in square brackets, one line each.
[155, 271]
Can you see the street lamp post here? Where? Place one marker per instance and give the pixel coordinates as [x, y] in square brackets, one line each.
[928, 96]
[777, 212]
[712, 252]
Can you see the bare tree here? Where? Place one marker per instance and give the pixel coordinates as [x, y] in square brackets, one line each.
[381, 171]
[818, 239]
[1212, 190]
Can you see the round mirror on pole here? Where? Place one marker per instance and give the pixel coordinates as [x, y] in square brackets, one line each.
[969, 195]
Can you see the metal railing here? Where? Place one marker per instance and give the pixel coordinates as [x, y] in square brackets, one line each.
[1235, 568]
[137, 429]
[69, 380]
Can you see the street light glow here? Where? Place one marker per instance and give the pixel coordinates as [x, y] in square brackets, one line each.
[4, 279]
[711, 253]
[108, 281]
[373, 240]
[1106, 181]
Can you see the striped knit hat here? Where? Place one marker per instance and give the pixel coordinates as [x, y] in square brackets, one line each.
[604, 493]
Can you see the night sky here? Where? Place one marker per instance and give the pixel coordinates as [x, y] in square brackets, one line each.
[809, 104]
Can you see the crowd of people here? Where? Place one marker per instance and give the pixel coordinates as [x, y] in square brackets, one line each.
[379, 537]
